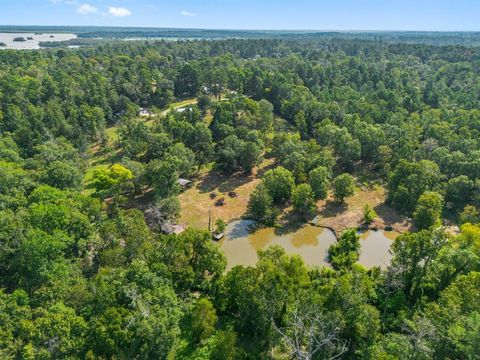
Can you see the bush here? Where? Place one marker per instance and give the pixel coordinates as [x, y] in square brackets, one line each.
[368, 214]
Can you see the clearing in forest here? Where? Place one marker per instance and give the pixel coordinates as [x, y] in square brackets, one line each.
[350, 214]
[196, 201]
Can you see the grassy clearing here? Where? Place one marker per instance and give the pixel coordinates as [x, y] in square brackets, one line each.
[99, 160]
[182, 103]
[196, 202]
[350, 214]
[112, 135]
[87, 180]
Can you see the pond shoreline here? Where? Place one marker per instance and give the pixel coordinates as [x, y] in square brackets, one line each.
[245, 237]
[337, 232]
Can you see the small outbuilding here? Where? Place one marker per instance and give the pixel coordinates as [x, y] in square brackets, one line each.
[184, 183]
[168, 229]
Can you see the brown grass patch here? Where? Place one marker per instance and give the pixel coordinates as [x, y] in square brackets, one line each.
[340, 216]
[196, 202]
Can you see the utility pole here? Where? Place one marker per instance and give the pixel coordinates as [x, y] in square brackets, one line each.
[210, 219]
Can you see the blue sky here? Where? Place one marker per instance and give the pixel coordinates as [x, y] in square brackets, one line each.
[438, 15]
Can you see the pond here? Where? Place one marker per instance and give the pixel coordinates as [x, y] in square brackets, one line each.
[375, 249]
[31, 40]
[240, 246]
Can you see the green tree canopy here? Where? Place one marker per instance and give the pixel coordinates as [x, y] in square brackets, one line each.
[429, 210]
[279, 182]
[343, 187]
[303, 200]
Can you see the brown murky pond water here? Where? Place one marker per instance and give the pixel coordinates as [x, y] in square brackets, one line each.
[240, 245]
[375, 249]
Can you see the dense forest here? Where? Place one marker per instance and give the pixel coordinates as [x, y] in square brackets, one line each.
[86, 273]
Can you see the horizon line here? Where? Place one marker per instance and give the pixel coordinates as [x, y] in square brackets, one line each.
[246, 30]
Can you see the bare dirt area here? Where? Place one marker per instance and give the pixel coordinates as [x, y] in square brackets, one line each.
[196, 202]
[350, 214]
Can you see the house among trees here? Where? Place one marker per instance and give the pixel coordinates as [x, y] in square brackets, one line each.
[184, 183]
[144, 112]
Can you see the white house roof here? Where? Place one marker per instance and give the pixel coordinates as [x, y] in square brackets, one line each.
[183, 182]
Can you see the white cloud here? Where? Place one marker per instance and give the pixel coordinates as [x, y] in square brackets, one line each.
[119, 11]
[187, 13]
[87, 9]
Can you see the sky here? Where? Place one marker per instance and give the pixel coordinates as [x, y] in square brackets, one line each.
[426, 15]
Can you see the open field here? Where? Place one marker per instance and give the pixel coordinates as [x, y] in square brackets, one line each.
[350, 214]
[196, 202]
[100, 159]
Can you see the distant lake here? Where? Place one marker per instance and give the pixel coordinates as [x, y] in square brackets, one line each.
[165, 38]
[7, 38]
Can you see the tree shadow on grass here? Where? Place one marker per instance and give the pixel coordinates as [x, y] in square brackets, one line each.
[260, 172]
[390, 217]
[141, 201]
[215, 181]
[333, 208]
[106, 157]
[387, 214]
[290, 221]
